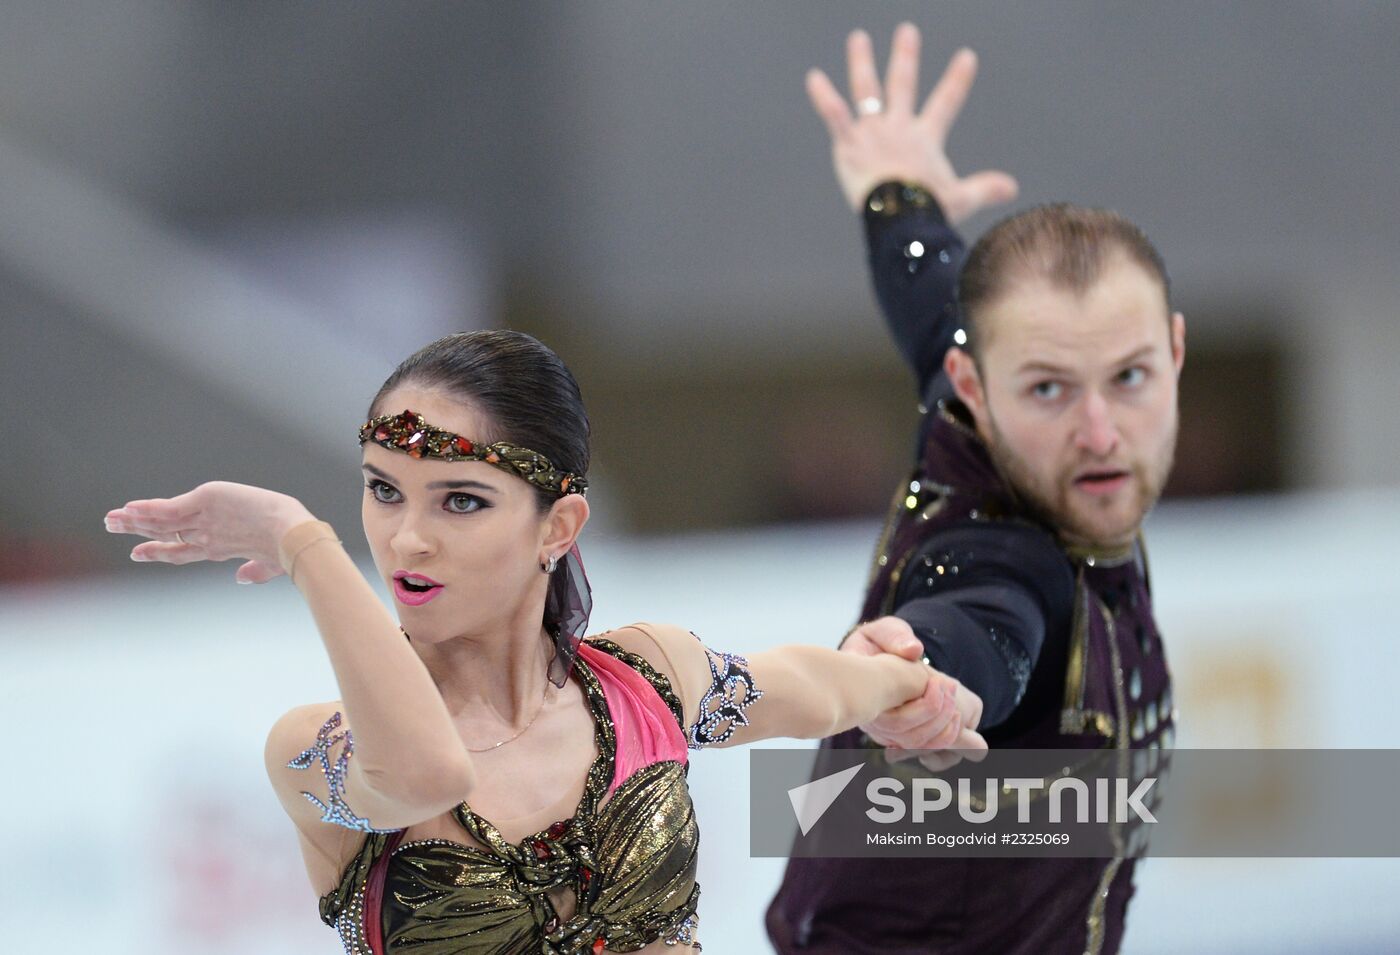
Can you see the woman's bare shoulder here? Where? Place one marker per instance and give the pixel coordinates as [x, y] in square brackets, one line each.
[673, 651]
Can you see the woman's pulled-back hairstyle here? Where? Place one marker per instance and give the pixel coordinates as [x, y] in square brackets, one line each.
[1067, 244]
[522, 388]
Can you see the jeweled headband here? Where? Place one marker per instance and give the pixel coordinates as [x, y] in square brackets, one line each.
[409, 433]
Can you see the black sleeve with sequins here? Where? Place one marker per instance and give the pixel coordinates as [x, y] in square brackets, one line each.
[914, 260]
[987, 600]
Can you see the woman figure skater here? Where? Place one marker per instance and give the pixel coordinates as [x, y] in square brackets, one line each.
[489, 780]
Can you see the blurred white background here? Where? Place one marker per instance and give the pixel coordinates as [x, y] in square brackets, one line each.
[135, 713]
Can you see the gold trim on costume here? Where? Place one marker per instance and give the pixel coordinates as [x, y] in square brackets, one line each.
[929, 500]
[887, 532]
[1072, 717]
[1094, 922]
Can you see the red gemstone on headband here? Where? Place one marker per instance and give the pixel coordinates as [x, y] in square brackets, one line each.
[461, 445]
[382, 433]
[564, 484]
[417, 440]
[493, 458]
[598, 945]
[556, 830]
[542, 850]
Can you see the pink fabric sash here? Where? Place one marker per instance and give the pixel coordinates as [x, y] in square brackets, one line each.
[645, 726]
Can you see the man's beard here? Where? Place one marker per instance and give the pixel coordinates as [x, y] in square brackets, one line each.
[1050, 500]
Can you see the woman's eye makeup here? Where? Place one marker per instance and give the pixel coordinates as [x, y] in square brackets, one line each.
[457, 502]
[460, 503]
[382, 492]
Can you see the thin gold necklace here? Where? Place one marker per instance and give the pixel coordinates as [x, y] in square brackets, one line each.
[521, 732]
[544, 699]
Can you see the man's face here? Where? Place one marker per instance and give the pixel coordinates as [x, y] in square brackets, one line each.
[1075, 396]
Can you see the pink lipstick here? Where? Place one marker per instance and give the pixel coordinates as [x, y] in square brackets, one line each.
[415, 589]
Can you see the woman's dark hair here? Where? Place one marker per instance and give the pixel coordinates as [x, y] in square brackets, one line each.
[523, 390]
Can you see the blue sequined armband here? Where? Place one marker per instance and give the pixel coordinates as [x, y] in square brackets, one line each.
[731, 692]
[334, 809]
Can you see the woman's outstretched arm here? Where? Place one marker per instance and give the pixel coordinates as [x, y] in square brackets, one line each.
[799, 691]
[403, 760]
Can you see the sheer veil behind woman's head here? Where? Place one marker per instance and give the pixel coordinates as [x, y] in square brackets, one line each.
[566, 608]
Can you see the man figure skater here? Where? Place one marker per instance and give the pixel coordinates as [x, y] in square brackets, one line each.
[1047, 361]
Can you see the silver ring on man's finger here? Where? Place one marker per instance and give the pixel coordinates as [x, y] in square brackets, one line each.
[180, 539]
[870, 106]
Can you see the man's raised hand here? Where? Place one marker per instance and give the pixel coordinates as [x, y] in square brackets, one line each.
[886, 139]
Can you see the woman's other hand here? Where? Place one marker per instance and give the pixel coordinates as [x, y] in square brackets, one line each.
[944, 718]
[218, 520]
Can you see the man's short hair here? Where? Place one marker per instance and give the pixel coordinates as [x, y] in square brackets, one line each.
[1067, 244]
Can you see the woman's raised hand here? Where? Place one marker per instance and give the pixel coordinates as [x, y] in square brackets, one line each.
[886, 139]
[219, 520]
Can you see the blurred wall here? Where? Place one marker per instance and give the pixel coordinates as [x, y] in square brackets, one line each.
[643, 185]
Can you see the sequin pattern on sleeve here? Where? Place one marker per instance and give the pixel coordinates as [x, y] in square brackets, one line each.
[722, 708]
[334, 809]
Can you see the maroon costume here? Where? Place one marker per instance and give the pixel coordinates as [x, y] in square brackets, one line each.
[1060, 643]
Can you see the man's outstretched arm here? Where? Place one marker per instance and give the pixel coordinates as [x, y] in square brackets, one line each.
[885, 145]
